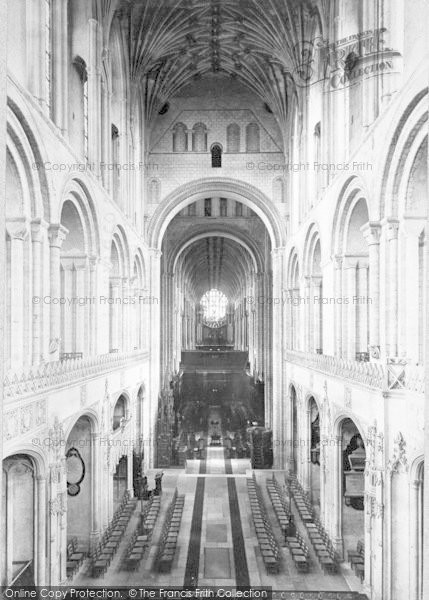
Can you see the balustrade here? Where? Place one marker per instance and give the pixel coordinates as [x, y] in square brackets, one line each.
[393, 375]
[42, 377]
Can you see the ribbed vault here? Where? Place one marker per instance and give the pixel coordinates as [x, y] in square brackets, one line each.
[264, 44]
[215, 262]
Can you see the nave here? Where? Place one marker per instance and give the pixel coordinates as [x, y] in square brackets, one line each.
[217, 542]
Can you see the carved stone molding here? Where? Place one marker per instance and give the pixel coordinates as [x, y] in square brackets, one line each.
[347, 397]
[83, 395]
[20, 421]
[57, 505]
[399, 461]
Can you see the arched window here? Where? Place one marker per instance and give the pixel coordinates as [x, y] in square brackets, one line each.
[216, 151]
[119, 413]
[199, 138]
[115, 161]
[278, 189]
[180, 138]
[317, 158]
[81, 68]
[233, 138]
[252, 137]
[154, 191]
[192, 209]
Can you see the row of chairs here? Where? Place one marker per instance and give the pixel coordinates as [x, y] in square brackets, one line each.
[75, 557]
[149, 515]
[267, 543]
[302, 502]
[170, 533]
[317, 534]
[357, 559]
[299, 551]
[109, 543]
[296, 544]
[279, 504]
[141, 537]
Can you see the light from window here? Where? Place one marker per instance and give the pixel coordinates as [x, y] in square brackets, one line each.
[214, 304]
[208, 207]
[216, 155]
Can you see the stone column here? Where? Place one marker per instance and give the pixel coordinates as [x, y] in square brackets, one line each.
[308, 317]
[81, 332]
[96, 490]
[37, 233]
[130, 486]
[391, 226]
[94, 96]
[93, 306]
[36, 50]
[124, 311]
[40, 575]
[277, 364]
[154, 356]
[349, 335]
[337, 471]
[416, 560]
[106, 126]
[317, 313]
[68, 318]
[371, 232]
[59, 76]
[362, 305]
[410, 311]
[115, 295]
[18, 231]
[338, 323]
[57, 234]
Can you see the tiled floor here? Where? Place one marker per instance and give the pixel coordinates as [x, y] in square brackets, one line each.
[217, 542]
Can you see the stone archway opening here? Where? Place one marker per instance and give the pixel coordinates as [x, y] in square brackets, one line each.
[352, 482]
[80, 466]
[19, 521]
[314, 426]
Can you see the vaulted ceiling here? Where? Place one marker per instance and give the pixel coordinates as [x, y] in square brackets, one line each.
[216, 262]
[261, 42]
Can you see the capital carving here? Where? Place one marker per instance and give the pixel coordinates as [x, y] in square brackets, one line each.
[38, 227]
[391, 226]
[371, 231]
[18, 229]
[57, 234]
[399, 460]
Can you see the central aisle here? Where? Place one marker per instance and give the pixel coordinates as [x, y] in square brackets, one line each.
[216, 553]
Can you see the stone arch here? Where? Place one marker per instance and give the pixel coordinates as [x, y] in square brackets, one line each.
[79, 193]
[21, 142]
[406, 139]
[216, 187]
[350, 513]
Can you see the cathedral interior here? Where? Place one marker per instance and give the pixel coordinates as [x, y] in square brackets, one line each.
[215, 293]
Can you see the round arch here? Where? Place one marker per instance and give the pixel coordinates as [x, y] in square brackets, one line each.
[218, 187]
[216, 233]
[405, 141]
[79, 193]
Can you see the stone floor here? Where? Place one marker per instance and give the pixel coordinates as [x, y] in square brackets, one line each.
[217, 542]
